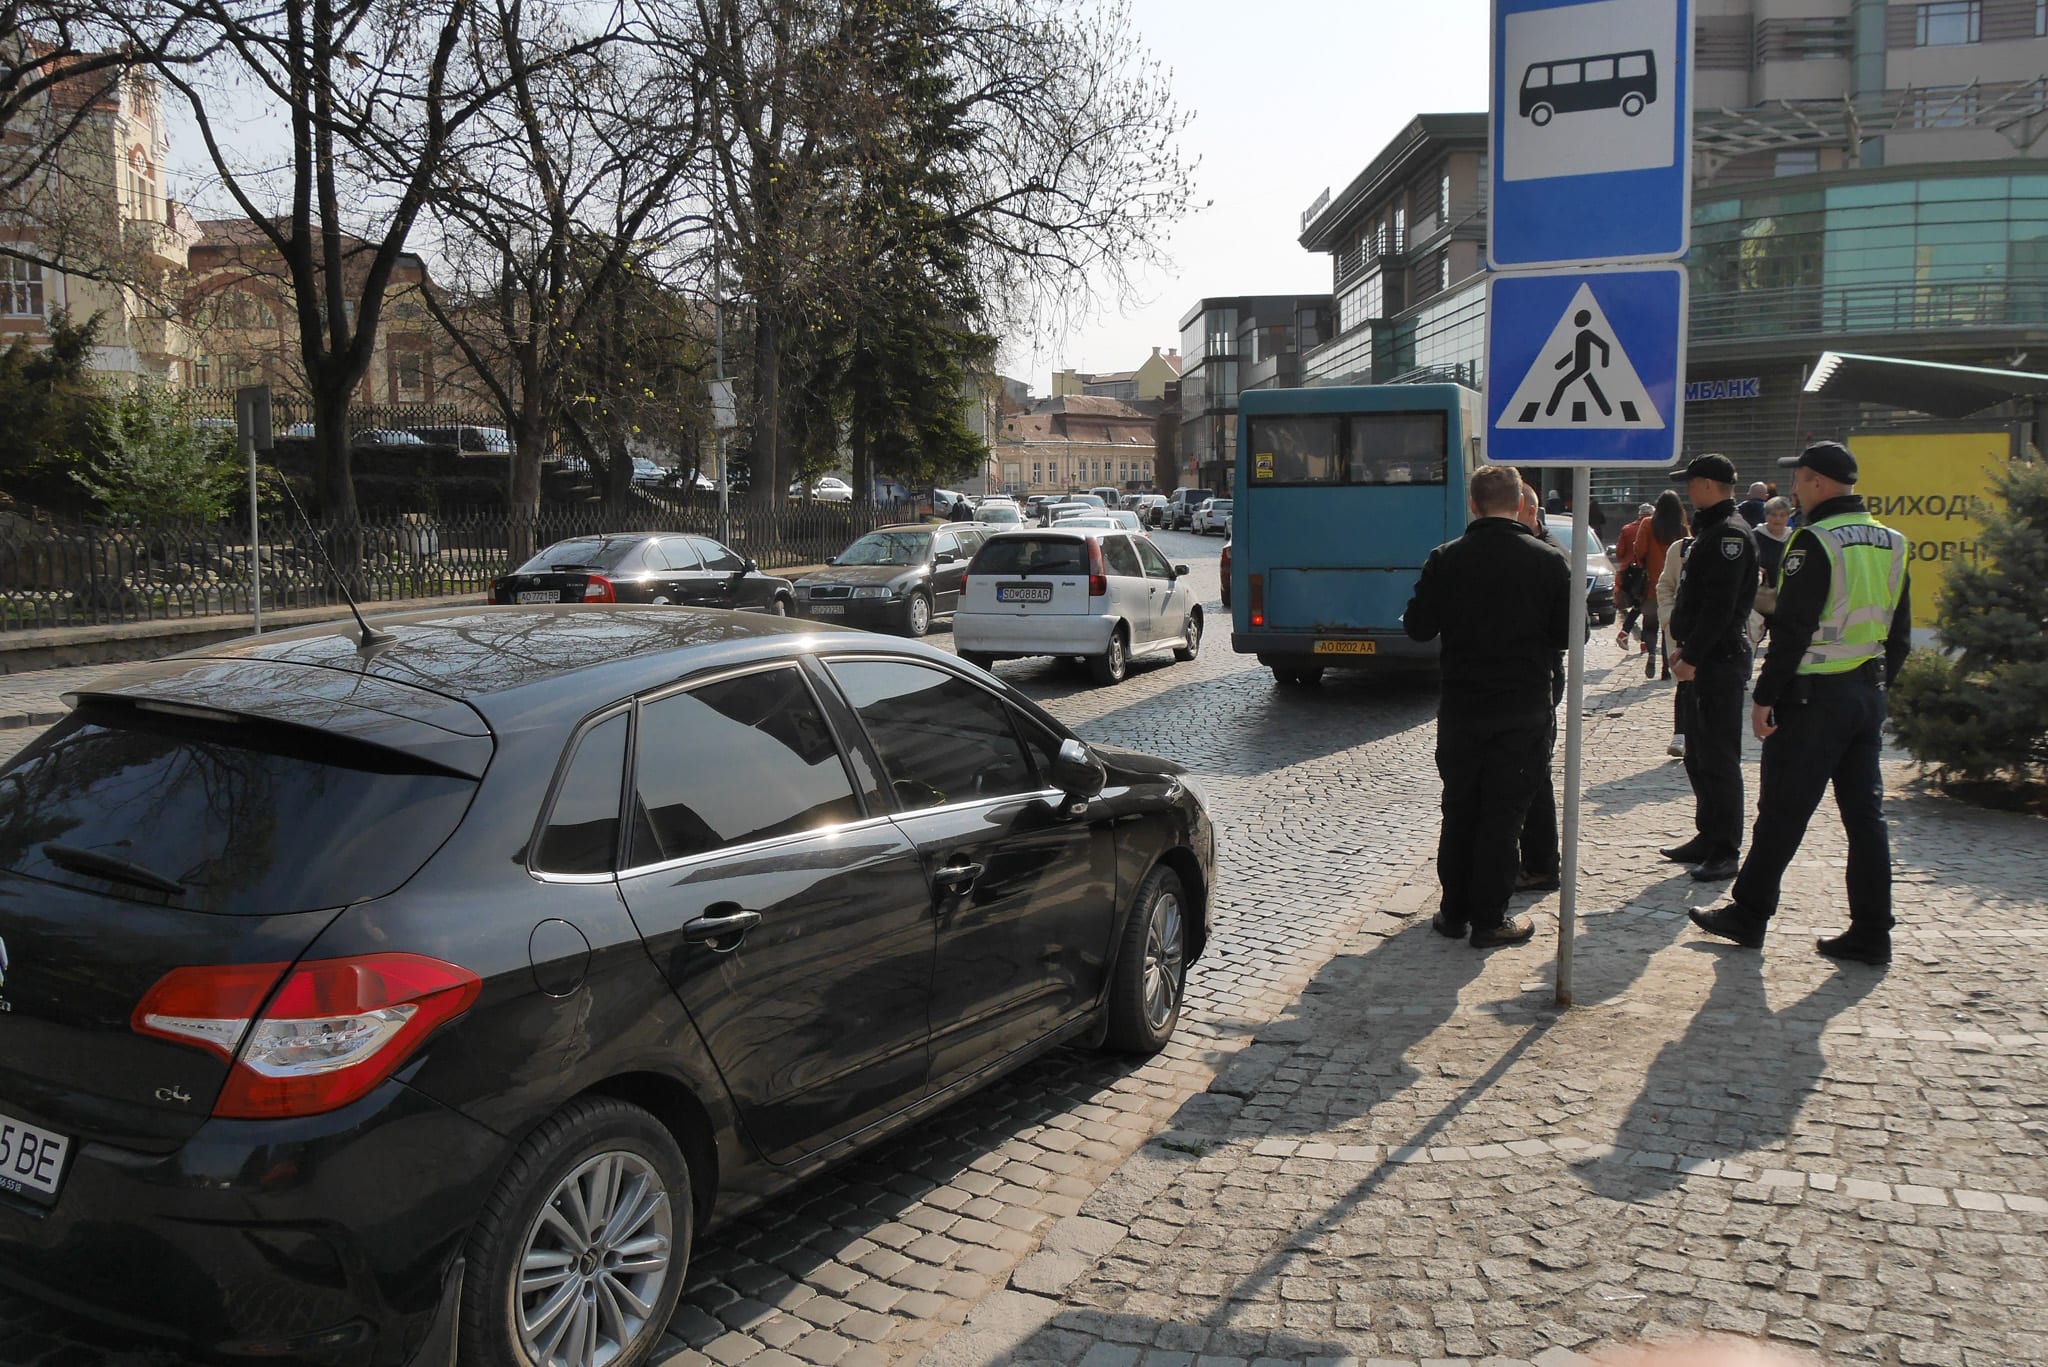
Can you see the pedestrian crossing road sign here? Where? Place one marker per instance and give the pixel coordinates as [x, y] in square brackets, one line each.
[1583, 367]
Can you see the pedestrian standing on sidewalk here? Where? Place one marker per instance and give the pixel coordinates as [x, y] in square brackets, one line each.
[1667, 528]
[1710, 625]
[1667, 599]
[1843, 626]
[1771, 539]
[1501, 601]
[1542, 856]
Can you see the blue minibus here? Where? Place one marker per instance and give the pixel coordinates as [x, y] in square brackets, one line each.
[1342, 492]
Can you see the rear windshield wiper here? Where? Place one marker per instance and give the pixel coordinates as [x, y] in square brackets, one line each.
[109, 867]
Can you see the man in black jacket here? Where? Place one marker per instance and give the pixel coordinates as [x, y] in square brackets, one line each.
[1501, 601]
[1710, 624]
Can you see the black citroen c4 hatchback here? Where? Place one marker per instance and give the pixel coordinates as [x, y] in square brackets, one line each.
[368, 1004]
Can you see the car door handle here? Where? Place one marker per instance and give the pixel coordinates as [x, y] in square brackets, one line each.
[730, 920]
[956, 877]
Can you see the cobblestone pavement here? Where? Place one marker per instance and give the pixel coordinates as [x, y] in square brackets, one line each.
[37, 699]
[1423, 1161]
[1366, 1142]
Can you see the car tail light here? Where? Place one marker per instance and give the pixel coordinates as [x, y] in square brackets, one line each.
[1098, 579]
[598, 589]
[1257, 585]
[332, 1030]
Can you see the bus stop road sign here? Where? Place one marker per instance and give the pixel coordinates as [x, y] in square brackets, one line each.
[1591, 132]
[1585, 367]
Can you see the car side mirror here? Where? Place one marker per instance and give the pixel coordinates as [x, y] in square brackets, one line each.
[1078, 774]
[946, 558]
[1180, 569]
[750, 565]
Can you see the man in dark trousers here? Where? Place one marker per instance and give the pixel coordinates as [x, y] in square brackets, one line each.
[1501, 601]
[1842, 627]
[1710, 626]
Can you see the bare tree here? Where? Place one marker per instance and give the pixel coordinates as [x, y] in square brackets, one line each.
[1059, 174]
[548, 218]
[378, 95]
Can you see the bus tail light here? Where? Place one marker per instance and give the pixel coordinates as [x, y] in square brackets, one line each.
[1098, 578]
[1257, 583]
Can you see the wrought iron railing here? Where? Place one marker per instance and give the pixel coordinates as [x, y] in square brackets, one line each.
[81, 575]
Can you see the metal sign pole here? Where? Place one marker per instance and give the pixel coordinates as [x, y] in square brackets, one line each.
[255, 541]
[1574, 737]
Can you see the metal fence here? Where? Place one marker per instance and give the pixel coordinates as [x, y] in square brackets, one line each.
[59, 576]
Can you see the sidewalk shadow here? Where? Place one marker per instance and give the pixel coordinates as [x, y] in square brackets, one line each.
[1735, 1082]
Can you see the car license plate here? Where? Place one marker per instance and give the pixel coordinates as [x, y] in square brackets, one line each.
[829, 609]
[31, 1160]
[1023, 593]
[1347, 647]
[541, 596]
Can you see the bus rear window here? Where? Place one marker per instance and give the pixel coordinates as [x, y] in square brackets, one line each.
[1360, 449]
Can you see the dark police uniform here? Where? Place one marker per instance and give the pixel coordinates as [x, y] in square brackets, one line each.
[1831, 650]
[1716, 589]
[1501, 601]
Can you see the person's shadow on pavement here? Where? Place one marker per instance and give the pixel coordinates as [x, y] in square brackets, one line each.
[1733, 1085]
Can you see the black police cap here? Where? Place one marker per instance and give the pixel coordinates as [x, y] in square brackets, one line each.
[1713, 465]
[1828, 459]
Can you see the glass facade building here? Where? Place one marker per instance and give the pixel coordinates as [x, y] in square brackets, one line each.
[1233, 344]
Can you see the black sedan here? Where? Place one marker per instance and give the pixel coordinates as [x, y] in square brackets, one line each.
[423, 1000]
[895, 578]
[642, 567]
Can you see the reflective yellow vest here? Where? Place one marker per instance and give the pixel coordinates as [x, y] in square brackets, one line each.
[1863, 592]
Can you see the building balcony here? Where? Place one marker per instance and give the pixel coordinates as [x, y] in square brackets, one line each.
[165, 246]
[1836, 312]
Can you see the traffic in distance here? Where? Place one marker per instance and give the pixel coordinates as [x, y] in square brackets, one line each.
[496, 954]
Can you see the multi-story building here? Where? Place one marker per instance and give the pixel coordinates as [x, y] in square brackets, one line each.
[102, 203]
[1145, 384]
[239, 303]
[1075, 441]
[1868, 177]
[1230, 345]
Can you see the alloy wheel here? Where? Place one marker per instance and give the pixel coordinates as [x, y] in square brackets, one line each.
[920, 615]
[1165, 952]
[593, 1263]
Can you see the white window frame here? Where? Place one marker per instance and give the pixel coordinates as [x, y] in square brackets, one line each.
[19, 281]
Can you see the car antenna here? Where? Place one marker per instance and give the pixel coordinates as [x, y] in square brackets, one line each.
[372, 638]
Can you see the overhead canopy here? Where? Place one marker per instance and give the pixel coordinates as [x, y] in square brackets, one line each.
[1946, 391]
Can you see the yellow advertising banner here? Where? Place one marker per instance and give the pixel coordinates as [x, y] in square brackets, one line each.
[1934, 487]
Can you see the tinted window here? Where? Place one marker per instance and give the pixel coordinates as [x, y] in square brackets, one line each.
[588, 553]
[1296, 450]
[675, 552]
[1032, 555]
[251, 818]
[942, 739]
[748, 758]
[1120, 558]
[716, 557]
[582, 834]
[944, 543]
[1149, 556]
[1395, 448]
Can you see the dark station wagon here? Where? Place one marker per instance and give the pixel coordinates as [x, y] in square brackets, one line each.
[424, 1000]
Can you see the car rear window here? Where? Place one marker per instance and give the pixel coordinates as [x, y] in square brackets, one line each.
[1031, 555]
[249, 818]
[587, 553]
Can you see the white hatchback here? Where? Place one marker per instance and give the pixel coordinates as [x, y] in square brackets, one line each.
[1097, 594]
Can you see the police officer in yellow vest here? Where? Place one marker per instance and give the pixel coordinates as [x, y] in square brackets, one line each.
[1842, 627]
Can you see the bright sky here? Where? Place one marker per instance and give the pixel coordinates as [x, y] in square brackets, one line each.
[1289, 96]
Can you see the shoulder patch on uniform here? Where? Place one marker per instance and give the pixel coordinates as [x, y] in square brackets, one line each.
[1731, 548]
[1794, 560]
